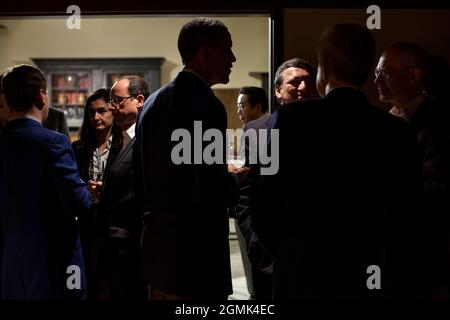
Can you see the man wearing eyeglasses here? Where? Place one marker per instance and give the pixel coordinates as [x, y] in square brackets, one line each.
[400, 78]
[118, 211]
[252, 107]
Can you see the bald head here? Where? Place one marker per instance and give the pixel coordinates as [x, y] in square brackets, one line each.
[401, 73]
[128, 95]
[411, 53]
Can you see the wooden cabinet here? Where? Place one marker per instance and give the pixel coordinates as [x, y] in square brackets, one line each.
[68, 91]
[70, 81]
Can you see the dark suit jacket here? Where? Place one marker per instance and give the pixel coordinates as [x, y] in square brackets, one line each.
[342, 200]
[84, 154]
[247, 196]
[186, 235]
[120, 224]
[117, 200]
[431, 122]
[41, 194]
[56, 121]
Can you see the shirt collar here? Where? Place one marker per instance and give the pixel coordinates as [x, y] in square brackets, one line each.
[129, 134]
[24, 117]
[407, 110]
[109, 142]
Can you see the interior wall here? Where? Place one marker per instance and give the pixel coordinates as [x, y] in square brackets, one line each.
[107, 37]
[429, 28]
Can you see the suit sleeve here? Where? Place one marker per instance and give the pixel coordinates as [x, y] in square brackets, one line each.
[137, 182]
[405, 219]
[63, 126]
[436, 167]
[71, 190]
[270, 198]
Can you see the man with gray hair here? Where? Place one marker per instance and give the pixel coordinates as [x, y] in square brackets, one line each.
[294, 81]
[401, 77]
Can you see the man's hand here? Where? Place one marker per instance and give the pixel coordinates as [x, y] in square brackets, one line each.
[240, 172]
[95, 187]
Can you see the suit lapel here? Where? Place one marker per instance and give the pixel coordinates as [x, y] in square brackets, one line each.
[122, 154]
[115, 163]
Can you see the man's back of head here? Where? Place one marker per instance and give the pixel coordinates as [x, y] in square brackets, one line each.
[346, 53]
[25, 88]
[21, 84]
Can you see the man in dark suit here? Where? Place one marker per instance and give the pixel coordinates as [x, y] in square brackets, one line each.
[118, 210]
[41, 194]
[185, 243]
[401, 77]
[56, 121]
[343, 200]
[252, 106]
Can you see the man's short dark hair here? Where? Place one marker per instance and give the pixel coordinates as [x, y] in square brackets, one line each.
[256, 95]
[136, 86]
[348, 52]
[293, 63]
[21, 86]
[199, 32]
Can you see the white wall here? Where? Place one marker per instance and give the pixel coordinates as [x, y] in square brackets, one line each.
[108, 37]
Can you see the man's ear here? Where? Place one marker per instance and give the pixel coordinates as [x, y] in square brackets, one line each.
[258, 107]
[40, 99]
[141, 100]
[415, 75]
[277, 90]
